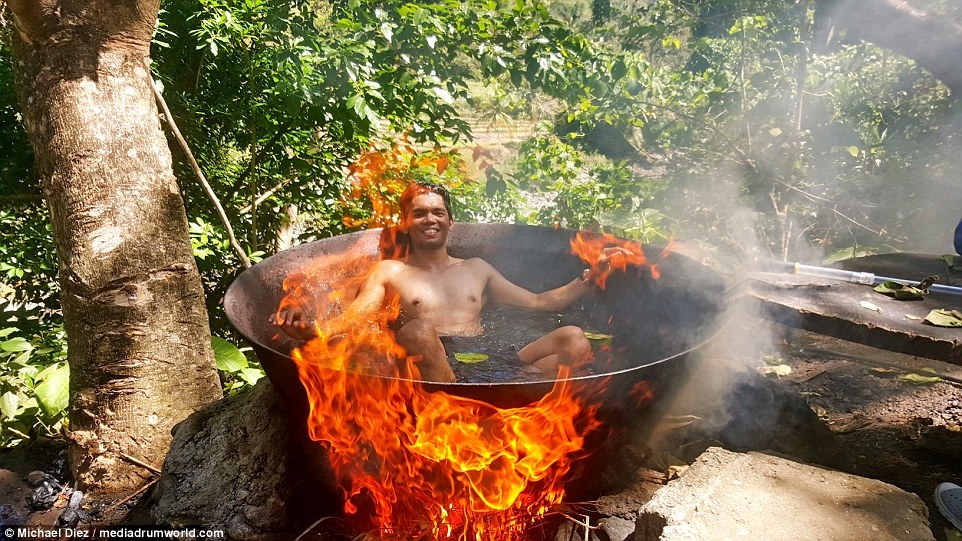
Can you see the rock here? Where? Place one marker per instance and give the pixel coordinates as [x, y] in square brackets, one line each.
[726, 495]
[72, 514]
[569, 531]
[36, 477]
[240, 465]
[618, 529]
[13, 498]
[943, 439]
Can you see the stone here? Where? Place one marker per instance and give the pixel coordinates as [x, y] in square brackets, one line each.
[727, 495]
[244, 465]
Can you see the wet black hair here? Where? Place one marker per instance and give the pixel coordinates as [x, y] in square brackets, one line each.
[408, 196]
[395, 244]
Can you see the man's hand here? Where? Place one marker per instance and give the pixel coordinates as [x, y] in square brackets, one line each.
[613, 257]
[295, 322]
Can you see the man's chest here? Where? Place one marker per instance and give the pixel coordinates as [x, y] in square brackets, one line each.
[429, 292]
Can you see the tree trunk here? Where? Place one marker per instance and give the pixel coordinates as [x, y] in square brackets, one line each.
[934, 42]
[137, 330]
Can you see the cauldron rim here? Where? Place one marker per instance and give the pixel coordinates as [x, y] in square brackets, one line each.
[235, 292]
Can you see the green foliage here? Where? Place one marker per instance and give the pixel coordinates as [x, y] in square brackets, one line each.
[585, 192]
[33, 384]
[237, 372]
[17, 175]
[29, 290]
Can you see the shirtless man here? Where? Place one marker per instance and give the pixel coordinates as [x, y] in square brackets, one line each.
[441, 295]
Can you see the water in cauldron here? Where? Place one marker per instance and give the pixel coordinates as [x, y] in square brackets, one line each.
[507, 330]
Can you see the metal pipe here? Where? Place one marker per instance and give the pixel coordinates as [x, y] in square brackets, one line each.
[866, 278]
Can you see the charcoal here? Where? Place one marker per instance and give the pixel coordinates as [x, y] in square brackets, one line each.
[45, 494]
[72, 514]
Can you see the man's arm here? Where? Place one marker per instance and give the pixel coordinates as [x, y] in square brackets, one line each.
[504, 291]
[299, 321]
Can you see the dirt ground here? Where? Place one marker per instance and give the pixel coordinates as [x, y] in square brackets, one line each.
[890, 424]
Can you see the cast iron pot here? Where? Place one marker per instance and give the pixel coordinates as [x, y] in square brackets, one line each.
[656, 321]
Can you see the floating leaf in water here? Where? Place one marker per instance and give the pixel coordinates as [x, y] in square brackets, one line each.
[471, 357]
[944, 318]
[869, 306]
[900, 291]
[597, 336]
[919, 379]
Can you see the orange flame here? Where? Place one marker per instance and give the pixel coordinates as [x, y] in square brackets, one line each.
[591, 248]
[380, 175]
[413, 463]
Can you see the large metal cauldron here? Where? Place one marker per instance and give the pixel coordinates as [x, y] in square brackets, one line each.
[657, 322]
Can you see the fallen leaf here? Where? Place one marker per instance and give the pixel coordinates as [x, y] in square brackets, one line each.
[471, 357]
[914, 318]
[869, 306]
[597, 336]
[900, 291]
[780, 370]
[944, 318]
[919, 379]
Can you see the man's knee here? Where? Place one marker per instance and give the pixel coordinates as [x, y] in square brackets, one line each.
[417, 331]
[574, 343]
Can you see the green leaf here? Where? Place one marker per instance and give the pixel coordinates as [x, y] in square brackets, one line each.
[944, 318]
[778, 371]
[918, 379]
[54, 391]
[16, 344]
[443, 95]
[471, 357]
[8, 331]
[900, 291]
[853, 151]
[228, 357]
[9, 403]
[251, 375]
[597, 336]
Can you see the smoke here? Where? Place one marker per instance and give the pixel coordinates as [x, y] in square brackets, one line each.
[873, 167]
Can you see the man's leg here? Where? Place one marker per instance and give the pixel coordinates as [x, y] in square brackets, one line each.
[421, 341]
[567, 345]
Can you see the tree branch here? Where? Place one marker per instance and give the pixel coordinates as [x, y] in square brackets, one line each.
[196, 167]
[934, 42]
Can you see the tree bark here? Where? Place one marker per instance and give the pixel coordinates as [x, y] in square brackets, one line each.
[137, 330]
[935, 43]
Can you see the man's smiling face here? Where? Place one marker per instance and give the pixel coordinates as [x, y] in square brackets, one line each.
[428, 222]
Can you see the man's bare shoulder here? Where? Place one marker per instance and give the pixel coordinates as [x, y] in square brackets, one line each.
[477, 264]
[386, 268]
